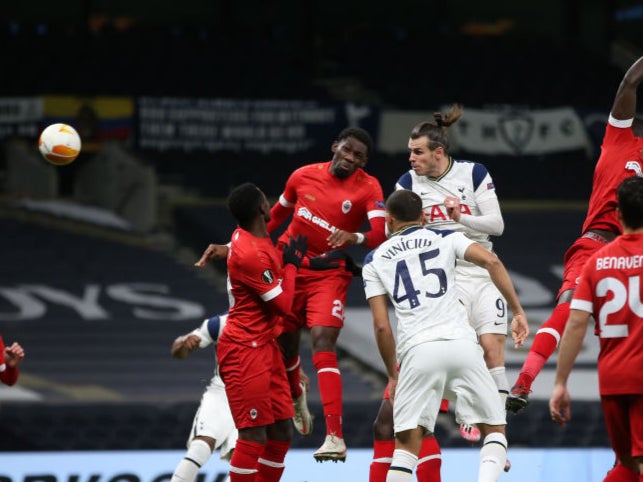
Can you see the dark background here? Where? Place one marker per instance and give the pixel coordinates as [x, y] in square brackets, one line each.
[405, 55]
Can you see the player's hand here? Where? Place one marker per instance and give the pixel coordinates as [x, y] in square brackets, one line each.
[340, 238]
[519, 329]
[352, 267]
[330, 260]
[213, 251]
[13, 355]
[184, 345]
[453, 208]
[559, 405]
[295, 250]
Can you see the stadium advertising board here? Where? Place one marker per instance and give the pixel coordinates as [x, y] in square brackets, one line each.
[504, 131]
[535, 465]
[20, 116]
[265, 126]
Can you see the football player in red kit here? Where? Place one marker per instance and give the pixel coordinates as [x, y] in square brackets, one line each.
[329, 203]
[621, 157]
[610, 290]
[261, 289]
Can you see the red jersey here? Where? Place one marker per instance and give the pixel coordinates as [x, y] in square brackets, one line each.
[620, 158]
[8, 375]
[323, 203]
[611, 289]
[255, 273]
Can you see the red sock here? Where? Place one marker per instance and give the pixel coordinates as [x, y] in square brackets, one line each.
[271, 463]
[330, 390]
[545, 343]
[429, 461]
[382, 457]
[620, 473]
[444, 405]
[243, 465]
[292, 370]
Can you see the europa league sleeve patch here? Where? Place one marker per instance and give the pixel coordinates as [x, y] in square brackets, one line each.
[267, 277]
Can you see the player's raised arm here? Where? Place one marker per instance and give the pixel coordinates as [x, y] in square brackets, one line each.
[624, 106]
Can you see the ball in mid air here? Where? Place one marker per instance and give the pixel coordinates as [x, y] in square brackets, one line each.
[59, 144]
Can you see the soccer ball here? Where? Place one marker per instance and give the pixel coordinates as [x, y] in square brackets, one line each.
[59, 144]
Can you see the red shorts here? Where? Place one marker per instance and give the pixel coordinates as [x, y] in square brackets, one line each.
[255, 383]
[575, 258]
[320, 299]
[624, 422]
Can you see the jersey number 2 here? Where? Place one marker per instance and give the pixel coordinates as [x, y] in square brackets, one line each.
[405, 289]
[621, 295]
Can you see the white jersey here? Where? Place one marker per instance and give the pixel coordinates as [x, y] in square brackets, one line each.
[415, 268]
[471, 183]
[213, 418]
[209, 333]
[480, 216]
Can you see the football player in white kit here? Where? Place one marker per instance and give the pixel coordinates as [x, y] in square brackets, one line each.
[437, 349]
[460, 196]
[213, 427]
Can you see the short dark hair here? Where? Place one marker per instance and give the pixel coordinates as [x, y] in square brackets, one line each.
[359, 134]
[244, 202]
[630, 201]
[436, 131]
[404, 205]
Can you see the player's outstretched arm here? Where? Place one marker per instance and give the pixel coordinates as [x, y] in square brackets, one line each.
[213, 251]
[570, 345]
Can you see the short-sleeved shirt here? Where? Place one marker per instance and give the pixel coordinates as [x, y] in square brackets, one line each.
[620, 158]
[416, 269]
[611, 289]
[254, 278]
[324, 203]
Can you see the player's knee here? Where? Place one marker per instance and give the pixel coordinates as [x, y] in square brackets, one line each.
[383, 429]
[208, 440]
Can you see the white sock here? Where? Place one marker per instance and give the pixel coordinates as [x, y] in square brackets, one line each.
[197, 455]
[402, 466]
[500, 377]
[493, 456]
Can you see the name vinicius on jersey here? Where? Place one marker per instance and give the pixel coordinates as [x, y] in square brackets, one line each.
[405, 245]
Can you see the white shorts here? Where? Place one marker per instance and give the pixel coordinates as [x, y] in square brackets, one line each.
[451, 369]
[213, 419]
[486, 307]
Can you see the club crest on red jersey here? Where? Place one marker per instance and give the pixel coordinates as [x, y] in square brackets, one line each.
[346, 206]
[267, 277]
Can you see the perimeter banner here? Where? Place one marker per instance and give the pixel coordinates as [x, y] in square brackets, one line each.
[20, 117]
[505, 130]
[291, 126]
